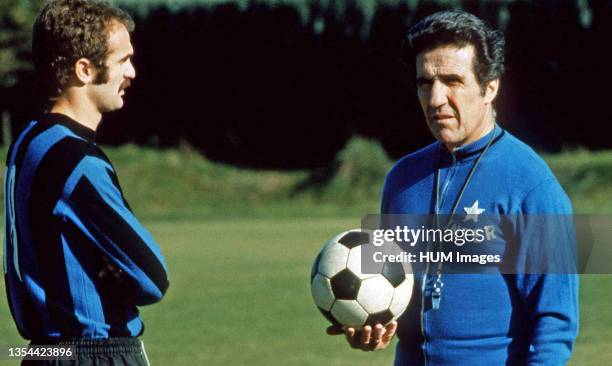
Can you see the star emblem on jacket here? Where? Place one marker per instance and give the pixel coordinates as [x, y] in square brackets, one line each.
[473, 212]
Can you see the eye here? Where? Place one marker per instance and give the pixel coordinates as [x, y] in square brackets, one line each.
[422, 82]
[126, 59]
[453, 81]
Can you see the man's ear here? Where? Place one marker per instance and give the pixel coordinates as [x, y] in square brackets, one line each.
[491, 90]
[84, 71]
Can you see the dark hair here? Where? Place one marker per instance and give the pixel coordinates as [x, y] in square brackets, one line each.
[455, 27]
[67, 30]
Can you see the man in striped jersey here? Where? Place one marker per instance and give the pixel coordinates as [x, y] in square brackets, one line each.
[77, 262]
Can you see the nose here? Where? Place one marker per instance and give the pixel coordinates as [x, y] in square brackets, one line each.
[130, 72]
[438, 95]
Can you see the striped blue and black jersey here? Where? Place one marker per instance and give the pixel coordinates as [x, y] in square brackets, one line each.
[65, 220]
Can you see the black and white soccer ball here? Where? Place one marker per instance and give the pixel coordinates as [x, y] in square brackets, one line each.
[348, 297]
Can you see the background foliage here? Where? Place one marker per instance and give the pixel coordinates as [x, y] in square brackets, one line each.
[16, 17]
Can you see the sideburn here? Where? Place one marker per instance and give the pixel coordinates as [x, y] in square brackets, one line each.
[101, 75]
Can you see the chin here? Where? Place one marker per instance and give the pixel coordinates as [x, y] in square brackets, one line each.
[446, 137]
[115, 106]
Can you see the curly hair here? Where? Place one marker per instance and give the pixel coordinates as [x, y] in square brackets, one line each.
[459, 28]
[67, 30]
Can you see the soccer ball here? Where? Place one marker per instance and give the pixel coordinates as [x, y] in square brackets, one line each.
[348, 297]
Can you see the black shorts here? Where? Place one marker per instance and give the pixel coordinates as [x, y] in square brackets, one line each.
[98, 352]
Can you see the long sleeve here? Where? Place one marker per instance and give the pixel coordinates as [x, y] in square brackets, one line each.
[547, 280]
[93, 199]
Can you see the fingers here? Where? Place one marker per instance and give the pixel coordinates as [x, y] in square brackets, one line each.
[351, 337]
[377, 334]
[362, 339]
[389, 332]
[116, 271]
[366, 335]
[370, 338]
[110, 269]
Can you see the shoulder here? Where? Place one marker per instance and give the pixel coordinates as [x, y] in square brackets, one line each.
[57, 154]
[43, 137]
[534, 186]
[71, 150]
[522, 162]
[44, 148]
[525, 154]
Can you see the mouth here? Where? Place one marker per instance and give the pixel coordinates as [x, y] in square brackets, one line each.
[441, 117]
[123, 87]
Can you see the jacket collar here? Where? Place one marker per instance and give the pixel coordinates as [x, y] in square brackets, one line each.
[471, 150]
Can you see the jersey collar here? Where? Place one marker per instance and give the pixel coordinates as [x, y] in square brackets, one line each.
[74, 126]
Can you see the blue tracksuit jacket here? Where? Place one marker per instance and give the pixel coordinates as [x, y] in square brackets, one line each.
[484, 319]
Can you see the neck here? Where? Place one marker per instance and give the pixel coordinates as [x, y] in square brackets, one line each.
[486, 127]
[78, 108]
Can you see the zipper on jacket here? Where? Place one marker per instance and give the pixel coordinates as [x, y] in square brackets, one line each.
[449, 177]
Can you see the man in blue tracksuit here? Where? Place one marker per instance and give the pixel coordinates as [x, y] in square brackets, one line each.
[77, 262]
[474, 168]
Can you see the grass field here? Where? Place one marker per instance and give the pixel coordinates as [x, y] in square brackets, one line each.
[240, 295]
[239, 245]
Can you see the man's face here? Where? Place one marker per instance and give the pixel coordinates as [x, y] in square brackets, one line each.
[108, 96]
[456, 109]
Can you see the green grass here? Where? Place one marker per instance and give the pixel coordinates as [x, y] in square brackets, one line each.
[595, 337]
[239, 244]
[240, 295]
[586, 177]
